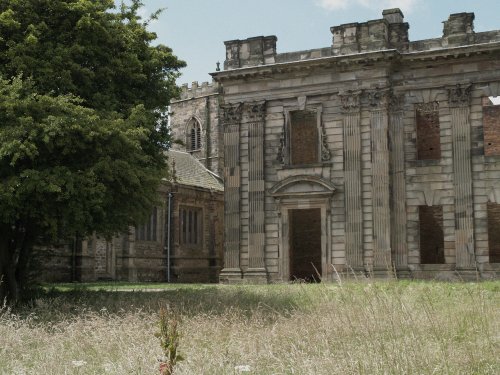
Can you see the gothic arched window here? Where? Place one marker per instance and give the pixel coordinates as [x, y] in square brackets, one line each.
[193, 135]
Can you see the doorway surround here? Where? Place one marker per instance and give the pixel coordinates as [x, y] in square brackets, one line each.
[303, 192]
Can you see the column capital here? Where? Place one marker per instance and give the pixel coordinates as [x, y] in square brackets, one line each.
[350, 101]
[255, 111]
[459, 95]
[231, 113]
[379, 98]
[397, 101]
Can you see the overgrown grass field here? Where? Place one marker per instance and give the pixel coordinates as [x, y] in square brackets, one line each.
[351, 328]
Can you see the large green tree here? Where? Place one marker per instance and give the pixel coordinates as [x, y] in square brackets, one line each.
[83, 94]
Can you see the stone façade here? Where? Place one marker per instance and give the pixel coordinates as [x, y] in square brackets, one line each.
[385, 193]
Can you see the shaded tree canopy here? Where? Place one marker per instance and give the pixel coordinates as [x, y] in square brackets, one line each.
[83, 94]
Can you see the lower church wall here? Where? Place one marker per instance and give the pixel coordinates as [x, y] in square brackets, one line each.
[126, 258]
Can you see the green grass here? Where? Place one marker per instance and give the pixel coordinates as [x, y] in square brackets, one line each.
[120, 285]
[354, 328]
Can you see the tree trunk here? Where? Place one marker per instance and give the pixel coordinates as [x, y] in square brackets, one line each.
[8, 284]
[16, 245]
[22, 274]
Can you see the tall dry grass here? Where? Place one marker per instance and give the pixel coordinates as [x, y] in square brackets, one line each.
[354, 328]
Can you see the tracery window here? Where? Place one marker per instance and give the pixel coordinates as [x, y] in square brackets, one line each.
[148, 230]
[191, 226]
[193, 135]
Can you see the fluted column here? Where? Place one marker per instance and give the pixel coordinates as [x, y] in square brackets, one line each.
[459, 99]
[379, 122]
[255, 113]
[352, 172]
[231, 118]
[397, 180]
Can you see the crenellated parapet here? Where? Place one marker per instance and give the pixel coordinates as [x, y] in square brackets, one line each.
[196, 90]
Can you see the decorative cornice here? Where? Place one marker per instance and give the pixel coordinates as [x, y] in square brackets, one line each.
[279, 189]
[350, 101]
[298, 66]
[451, 52]
[269, 70]
[459, 96]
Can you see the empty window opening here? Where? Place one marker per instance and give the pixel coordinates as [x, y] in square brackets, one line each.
[305, 244]
[491, 125]
[431, 234]
[428, 131]
[303, 137]
[494, 232]
[147, 231]
[191, 229]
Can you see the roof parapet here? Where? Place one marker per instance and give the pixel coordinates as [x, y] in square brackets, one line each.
[197, 90]
[458, 30]
[260, 50]
[389, 32]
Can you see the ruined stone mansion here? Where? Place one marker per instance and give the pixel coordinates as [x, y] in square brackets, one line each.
[375, 155]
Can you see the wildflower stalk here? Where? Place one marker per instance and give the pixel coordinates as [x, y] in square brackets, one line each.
[169, 341]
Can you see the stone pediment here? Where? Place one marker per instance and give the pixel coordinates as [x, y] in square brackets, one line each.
[302, 186]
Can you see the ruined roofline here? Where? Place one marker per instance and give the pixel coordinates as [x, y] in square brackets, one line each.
[387, 33]
[373, 55]
[364, 57]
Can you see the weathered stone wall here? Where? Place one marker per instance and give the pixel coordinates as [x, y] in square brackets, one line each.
[127, 258]
[370, 93]
[200, 103]
[198, 264]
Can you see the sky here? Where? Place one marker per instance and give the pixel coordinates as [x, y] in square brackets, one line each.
[196, 29]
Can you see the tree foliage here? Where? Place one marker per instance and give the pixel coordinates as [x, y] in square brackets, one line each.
[82, 127]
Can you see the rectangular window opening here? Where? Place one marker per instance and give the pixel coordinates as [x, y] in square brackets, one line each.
[494, 232]
[304, 137]
[428, 131]
[431, 234]
[491, 125]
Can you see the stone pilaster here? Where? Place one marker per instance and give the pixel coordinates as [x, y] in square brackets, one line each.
[353, 201]
[256, 232]
[231, 118]
[459, 99]
[379, 100]
[397, 180]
